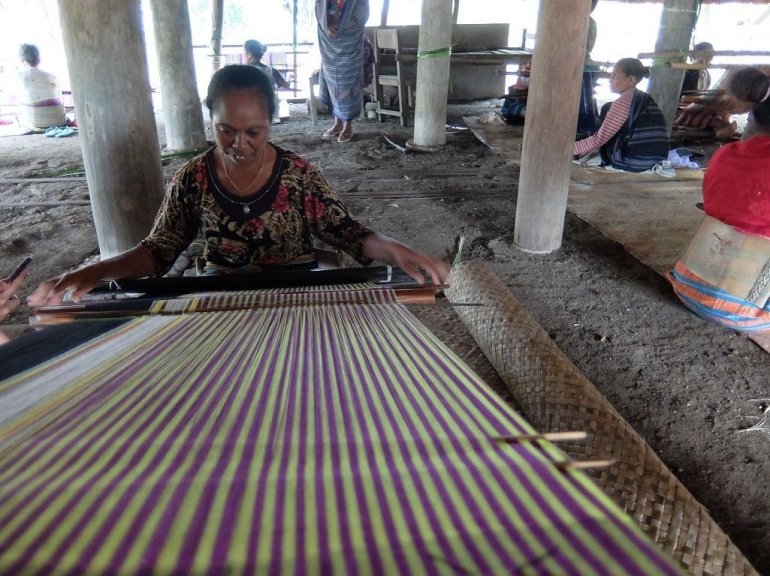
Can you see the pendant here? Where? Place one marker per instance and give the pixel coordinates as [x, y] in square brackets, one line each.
[246, 209]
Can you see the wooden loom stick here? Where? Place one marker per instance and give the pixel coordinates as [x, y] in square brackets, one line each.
[121, 308]
[551, 436]
[584, 464]
[267, 279]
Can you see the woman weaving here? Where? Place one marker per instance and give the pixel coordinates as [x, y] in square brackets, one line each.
[723, 275]
[257, 204]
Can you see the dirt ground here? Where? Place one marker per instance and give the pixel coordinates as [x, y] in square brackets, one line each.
[687, 387]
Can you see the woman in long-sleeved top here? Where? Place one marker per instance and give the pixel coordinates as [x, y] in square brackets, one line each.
[632, 132]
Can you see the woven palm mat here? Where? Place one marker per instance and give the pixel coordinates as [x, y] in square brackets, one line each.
[555, 396]
[654, 221]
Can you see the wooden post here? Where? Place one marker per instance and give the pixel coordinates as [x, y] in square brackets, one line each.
[384, 13]
[182, 113]
[549, 132]
[433, 73]
[455, 11]
[676, 25]
[294, 43]
[107, 61]
[217, 18]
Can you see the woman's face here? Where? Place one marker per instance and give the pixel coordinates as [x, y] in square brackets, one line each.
[241, 126]
[619, 82]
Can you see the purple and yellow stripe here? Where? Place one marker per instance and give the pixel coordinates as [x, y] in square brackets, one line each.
[296, 440]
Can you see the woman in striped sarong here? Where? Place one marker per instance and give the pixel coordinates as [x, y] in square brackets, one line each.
[341, 40]
[736, 192]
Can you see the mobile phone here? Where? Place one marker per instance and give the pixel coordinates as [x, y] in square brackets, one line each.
[19, 269]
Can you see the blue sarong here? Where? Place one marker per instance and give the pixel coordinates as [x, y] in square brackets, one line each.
[340, 82]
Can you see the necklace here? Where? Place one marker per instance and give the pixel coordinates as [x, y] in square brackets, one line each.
[242, 192]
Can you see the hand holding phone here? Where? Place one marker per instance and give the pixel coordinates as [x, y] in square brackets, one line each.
[19, 269]
[8, 300]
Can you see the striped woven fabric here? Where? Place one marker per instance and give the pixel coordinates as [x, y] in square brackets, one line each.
[295, 440]
[355, 294]
[716, 305]
[339, 84]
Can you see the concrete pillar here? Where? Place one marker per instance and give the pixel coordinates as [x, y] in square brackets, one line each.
[433, 73]
[676, 25]
[107, 62]
[182, 113]
[549, 132]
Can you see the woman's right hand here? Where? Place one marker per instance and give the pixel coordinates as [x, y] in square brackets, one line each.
[77, 284]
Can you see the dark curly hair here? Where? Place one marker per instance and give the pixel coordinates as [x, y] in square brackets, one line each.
[30, 54]
[241, 77]
[751, 85]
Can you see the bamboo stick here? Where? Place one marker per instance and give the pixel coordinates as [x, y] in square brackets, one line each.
[551, 436]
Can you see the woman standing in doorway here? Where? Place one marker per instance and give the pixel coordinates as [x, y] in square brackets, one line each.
[341, 41]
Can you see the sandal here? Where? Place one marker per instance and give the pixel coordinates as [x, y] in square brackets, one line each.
[331, 133]
[345, 137]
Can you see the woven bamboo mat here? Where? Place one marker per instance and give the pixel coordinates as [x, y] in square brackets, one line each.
[654, 221]
[503, 139]
[555, 396]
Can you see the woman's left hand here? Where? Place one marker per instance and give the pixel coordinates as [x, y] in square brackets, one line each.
[8, 298]
[379, 247]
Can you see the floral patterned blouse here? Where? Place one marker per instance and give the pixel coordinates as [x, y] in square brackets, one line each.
[274, 227]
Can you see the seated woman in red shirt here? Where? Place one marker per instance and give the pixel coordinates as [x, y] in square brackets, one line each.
[632, 132]
[724, 274]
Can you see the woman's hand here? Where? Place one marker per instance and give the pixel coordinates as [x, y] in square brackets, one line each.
[136, 263]
[379, 247]
[76, 284]
[8, 298]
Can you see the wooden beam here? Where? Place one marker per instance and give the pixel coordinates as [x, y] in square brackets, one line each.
[678, 54]
[433, 74]
[549, 133]
[104, 45]
[676, 25]
[700, 66]
[182, 116]
[217, 18]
